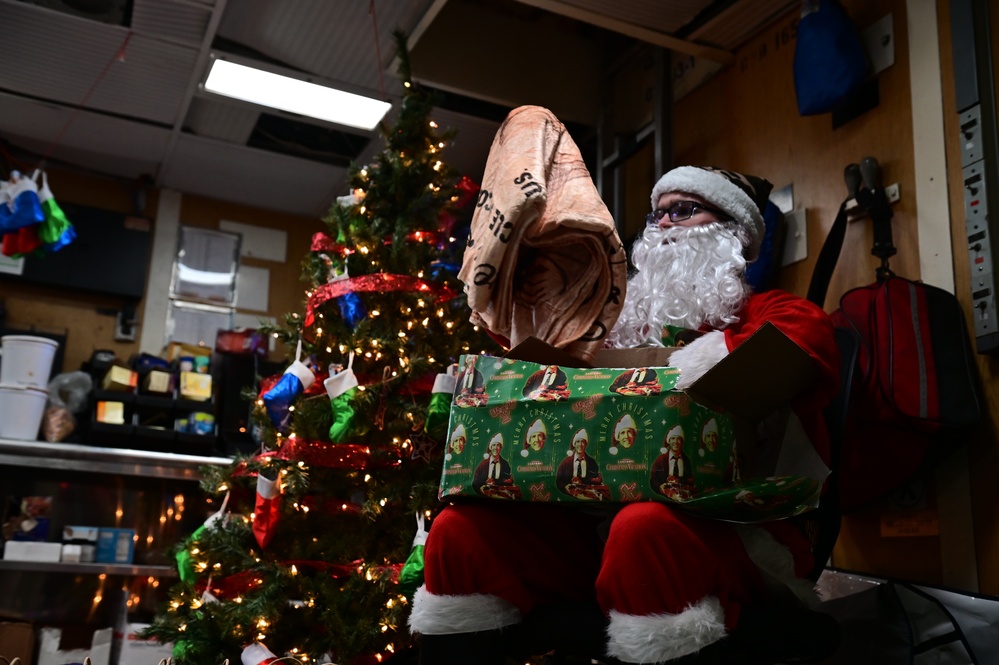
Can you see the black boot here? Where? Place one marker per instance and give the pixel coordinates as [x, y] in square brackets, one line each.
[573, 631]
[487, 647]
[769, 634]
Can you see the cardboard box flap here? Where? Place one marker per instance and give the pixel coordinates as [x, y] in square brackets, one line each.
[533, 350]
[761, 374]
[648, 356]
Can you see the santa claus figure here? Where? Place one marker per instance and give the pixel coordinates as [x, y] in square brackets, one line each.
[663, 586]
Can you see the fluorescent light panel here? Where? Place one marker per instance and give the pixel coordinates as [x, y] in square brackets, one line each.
[288, 94]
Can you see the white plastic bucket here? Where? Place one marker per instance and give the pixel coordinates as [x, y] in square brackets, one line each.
[26, 361]
[21, 411]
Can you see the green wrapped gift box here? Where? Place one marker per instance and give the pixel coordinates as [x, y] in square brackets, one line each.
[536, 426]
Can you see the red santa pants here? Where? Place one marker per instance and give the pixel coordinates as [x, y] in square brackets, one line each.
[656, 560]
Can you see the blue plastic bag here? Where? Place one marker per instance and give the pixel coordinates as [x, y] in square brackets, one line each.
[830, 62]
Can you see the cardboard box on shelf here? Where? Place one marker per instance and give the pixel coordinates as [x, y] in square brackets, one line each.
[112, 413]
[157, 382]
[70, 646]
[115, 545]
[16, 550]
[17, 640]
[611, 432]
[74, 553]
[176, 350]
[120, 379]
[195, 386]
[83, 534]
[130, 649]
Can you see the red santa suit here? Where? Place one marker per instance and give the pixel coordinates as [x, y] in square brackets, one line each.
[670, 583]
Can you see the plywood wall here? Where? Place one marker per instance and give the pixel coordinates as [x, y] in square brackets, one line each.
[88, 319]
[746, 119]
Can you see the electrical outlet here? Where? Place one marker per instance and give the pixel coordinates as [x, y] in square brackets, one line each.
[124, 329]
[795, 238]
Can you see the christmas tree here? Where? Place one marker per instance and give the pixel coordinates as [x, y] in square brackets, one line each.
[303, 557]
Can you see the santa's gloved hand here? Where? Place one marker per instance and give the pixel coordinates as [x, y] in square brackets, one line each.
[696, 358]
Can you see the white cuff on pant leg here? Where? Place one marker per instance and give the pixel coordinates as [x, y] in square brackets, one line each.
[447, 615]
[655, 638]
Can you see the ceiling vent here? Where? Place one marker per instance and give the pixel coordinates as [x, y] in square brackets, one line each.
[112, 12]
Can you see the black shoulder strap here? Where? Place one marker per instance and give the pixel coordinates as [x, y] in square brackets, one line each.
[870, 195]
[828, 256]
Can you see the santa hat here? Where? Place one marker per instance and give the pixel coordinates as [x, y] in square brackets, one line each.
[459, 431]
[535, 428]
[627, 422]
[744, 197]
[497, 438]
[676, 430]
[710, 427]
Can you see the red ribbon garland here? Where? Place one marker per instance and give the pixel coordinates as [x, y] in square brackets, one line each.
[243, 582]
[323, 243]
[377, 282]
[352, 456]
[325, 454]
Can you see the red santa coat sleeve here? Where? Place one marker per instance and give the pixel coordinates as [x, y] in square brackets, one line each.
[808, 326]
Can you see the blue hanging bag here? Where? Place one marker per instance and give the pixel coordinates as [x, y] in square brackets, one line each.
[830, 62]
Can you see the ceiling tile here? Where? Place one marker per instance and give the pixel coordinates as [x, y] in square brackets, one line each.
[75, 61]
[251, 177]
[179, 21]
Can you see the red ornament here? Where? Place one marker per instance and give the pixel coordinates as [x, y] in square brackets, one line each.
[467, 190]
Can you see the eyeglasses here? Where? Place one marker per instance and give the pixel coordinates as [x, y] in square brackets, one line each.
[682, 210]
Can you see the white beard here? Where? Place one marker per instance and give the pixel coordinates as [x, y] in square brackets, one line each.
[687, 277]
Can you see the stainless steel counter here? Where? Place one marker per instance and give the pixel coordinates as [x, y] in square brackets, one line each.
[120, 461]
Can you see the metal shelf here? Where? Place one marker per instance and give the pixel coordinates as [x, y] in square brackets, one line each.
[118, 461]
[126, 569]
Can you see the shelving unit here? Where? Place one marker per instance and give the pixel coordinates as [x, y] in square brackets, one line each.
[143, 489]
[125, 570]
[119, 461]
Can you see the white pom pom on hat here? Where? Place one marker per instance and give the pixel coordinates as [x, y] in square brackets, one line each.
[742, 196]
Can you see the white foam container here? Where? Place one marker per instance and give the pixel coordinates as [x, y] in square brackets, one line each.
[26, 361]
[21, 412]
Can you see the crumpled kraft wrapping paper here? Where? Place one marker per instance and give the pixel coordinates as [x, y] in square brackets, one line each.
[544, 258]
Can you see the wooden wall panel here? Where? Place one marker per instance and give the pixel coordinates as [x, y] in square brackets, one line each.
[80, 313]
[87, 319]
[746, 119]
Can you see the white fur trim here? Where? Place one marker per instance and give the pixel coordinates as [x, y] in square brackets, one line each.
[340, 383]
[776, 562]
[626, 422]
[267, 488]
[444, 383]
[719, 191]
[303, 373]
[695, 359]
[448, 615]
[255, 654]
[656, 638]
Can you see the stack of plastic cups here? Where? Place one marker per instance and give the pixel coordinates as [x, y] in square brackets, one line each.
[25, 366]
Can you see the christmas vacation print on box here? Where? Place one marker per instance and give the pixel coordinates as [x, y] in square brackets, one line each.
[530, 432]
